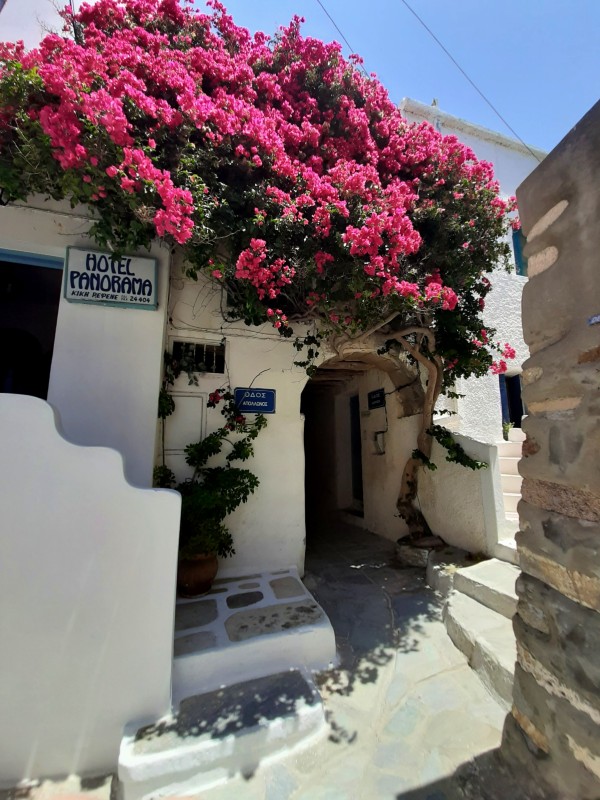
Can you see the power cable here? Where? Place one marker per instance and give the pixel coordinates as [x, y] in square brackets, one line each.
[473, 84]
[451, 57]
[339, 30]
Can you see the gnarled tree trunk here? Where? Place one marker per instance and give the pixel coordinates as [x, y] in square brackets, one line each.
[410, 513]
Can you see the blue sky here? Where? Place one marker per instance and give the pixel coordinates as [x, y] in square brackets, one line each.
[537, 61]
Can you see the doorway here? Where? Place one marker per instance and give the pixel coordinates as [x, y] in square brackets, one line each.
[510, 396]
[333, 470]
[29, 298]
[356, 456]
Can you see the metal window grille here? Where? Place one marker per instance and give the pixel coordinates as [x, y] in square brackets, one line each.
[200, 356]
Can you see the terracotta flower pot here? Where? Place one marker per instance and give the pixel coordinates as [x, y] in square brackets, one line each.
[195, 575]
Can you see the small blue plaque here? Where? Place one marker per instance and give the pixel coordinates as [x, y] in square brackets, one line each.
[376, 399]
[255, 401]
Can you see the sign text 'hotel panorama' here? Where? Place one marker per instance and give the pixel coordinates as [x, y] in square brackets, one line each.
[102, 278]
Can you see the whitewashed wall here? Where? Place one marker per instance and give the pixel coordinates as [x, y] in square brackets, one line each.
[107, 363]
[87, 592]
[269, 530]
[480, 413]
[382, 472]
[461, 505]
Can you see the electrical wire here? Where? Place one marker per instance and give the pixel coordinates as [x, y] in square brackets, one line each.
[454, 61]
[473, 84]
[339, 30]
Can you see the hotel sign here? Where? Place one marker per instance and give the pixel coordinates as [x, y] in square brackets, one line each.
[103, 279]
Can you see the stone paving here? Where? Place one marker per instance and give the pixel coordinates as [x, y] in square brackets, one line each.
[409, 719]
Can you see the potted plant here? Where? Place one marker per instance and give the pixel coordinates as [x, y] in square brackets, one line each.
[211, 494]
[207, 498]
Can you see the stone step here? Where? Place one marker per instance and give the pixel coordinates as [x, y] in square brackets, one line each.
[509, 449]
[509, 465]
[511, 484]
[506, 550]
[511, 501]
[218, 735]
[487, 640]
[491, 583]
[248, 627]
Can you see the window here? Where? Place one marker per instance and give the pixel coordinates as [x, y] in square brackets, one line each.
[29, 298]
[519, 242]
[200, 356]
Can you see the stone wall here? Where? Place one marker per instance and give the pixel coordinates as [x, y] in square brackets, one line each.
[556, 712]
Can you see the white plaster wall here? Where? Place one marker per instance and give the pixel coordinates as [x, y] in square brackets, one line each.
[480, 411]
[479, 414]
[269, 530]
[382, 473]
[107, 363]
[87, 591]
[512, 161]
[460, 504]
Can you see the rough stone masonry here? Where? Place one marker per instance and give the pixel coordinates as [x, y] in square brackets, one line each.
[554, 728]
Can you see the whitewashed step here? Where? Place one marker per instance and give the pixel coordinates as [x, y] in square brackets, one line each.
[509, 449]
[217, 735]
[247, 627]
[506, 550]
[487, 640]
[516, 435]
[511, 484]
[511, 501]
[491, 583]
[509, 465]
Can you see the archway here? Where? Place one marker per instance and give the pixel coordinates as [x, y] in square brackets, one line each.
[362, 411]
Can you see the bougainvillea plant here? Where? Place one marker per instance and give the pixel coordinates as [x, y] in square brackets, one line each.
[284, 173]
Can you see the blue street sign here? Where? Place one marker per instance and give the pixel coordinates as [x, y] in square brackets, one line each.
[255, 401]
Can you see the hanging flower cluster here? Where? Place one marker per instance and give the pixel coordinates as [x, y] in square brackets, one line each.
[282, 171]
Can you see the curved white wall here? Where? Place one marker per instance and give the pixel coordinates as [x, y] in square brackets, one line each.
[87, 596]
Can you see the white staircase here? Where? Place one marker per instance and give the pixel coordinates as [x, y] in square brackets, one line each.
[215, 736]
[481, 599]
[242, 691]
[478, 617]
[509, 454]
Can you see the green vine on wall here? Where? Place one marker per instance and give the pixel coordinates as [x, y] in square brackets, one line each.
[212, 492]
